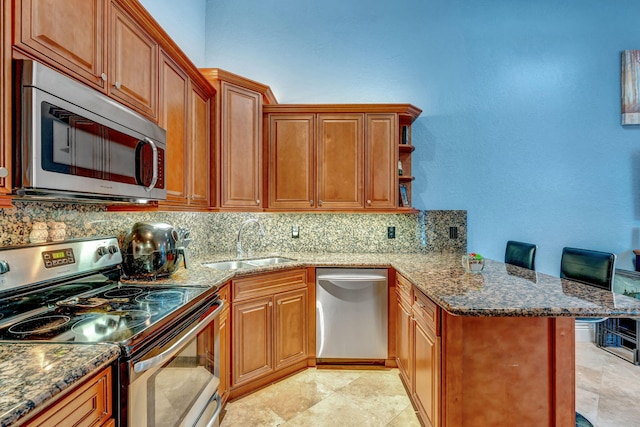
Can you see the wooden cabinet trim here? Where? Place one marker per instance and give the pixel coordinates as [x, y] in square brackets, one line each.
[268, 284]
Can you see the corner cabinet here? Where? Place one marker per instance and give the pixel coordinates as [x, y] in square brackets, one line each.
[336, 157]
[269, 328]
[238, 136]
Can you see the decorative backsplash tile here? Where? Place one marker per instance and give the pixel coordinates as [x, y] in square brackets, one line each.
[216, 232]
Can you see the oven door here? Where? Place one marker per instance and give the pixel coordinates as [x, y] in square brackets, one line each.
[178, 386]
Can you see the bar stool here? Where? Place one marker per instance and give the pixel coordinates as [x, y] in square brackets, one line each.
[520, 254]
[592, 268]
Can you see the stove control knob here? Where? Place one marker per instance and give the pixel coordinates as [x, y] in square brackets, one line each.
[4, 267]
[102, 251]
[113, 249]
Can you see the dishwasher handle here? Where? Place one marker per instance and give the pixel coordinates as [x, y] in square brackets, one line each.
[353, 277]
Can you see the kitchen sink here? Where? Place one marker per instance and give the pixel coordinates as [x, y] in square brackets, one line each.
[229, 265]
[249, 263]
[268, 261]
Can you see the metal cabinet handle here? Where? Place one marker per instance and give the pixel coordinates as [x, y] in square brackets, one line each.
[311, 202]
[270, 303]
[258, 202]
[319, 202]
[4, 172]
[103, 76]
[117, 85]
[369, 202]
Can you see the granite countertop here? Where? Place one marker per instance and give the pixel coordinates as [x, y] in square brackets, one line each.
[33, 373]
[500, 290]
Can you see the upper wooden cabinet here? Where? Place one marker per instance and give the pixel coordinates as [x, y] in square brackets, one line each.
[185, 112]
[340, 161]
[107, 49]
[133, 63]
[43, 29]
[238, 134]
[5, 100]
[291, 154]
[337, 157]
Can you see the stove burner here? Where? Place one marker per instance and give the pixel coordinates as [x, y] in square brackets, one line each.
[108, 324]
[160, 296]
[39, 324]
[123, 292]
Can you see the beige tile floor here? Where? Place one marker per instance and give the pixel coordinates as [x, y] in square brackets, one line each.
[607, 393]
[607, 388]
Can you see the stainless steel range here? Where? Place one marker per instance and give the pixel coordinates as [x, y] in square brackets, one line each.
[168, 371]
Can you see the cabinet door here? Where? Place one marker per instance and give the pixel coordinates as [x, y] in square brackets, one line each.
[225, 355]
[252, 339]
[381, 182]
[340, 161]
[199, 137]
[290, 327]
[173, 116]
[133, 64]
[5, 96]
[241, 147]
[68, 34]
[403, 341]
[291, 161]
[426, 367]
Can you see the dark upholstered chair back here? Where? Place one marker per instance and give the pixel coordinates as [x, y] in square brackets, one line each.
[589, 267]
[520, 254]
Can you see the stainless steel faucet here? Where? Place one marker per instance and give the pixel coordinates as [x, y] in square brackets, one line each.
[239, 250]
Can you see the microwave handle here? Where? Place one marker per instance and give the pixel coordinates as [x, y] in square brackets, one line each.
[154, 178]
[147, 364]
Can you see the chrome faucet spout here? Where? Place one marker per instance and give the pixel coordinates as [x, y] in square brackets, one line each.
[239, 250]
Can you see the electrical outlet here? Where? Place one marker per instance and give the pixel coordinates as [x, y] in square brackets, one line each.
[453, 232]
[295, 232]
[391, 232]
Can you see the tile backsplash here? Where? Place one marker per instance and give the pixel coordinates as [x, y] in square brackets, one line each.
[216, 232]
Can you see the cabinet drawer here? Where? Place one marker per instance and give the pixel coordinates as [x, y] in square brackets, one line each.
[425, 312]
[268, 284]
[88, 405]
[404, 289]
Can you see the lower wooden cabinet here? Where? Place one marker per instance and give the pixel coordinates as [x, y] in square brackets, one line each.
[403, 325]
[225, 345]
[419, 350]
[269, 328]
[426, 373]
[87, 405]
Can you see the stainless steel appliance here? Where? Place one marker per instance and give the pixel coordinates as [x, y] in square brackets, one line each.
[351, 314]
[152, 249]
[75, 143]
[168, 371]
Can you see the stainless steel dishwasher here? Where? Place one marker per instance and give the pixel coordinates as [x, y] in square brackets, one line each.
[351, 314]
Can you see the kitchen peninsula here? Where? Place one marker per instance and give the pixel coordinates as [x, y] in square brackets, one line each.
[503, 339]
[500, 349]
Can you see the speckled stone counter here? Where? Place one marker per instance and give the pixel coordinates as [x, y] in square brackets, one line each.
[32, 374]
[500, 290]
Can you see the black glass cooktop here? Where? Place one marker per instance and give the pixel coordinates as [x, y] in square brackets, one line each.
[90, 311]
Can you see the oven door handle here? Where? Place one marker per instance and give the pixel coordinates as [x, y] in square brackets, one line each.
[144, 365]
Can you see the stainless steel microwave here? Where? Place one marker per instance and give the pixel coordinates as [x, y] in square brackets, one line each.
[76, 143]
